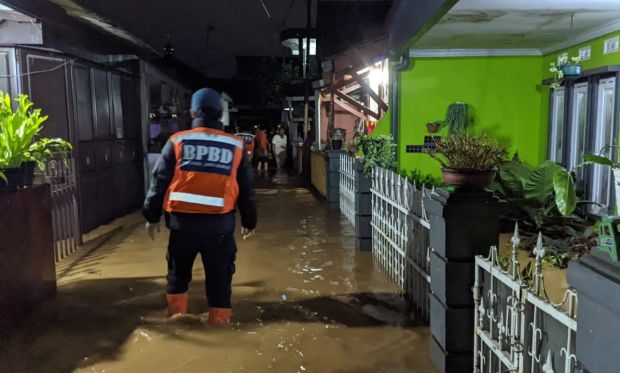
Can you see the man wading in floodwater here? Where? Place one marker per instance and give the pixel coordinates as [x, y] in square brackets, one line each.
[201, 176]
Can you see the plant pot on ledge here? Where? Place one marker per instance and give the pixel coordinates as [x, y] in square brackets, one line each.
[474, 179]
[336, 144]
[17, 177]
[432, 127]
[571, 71]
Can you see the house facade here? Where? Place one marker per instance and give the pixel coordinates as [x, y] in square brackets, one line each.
[495, 58]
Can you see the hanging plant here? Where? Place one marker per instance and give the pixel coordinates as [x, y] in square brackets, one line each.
[457, 118]
[565, 69]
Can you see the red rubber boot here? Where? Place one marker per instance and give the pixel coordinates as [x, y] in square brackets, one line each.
[177, 303]
[219, 316]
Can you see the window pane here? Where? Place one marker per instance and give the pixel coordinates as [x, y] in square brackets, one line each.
[578, 127]
[556, 138]
[601, 181]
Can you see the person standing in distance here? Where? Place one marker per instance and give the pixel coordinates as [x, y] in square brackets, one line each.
[279, 143]
[199, 180]
[262, 150]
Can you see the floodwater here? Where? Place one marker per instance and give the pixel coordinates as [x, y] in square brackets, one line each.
[304, 301]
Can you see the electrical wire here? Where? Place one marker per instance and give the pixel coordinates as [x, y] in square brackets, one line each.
[266, 10]
[40, 71]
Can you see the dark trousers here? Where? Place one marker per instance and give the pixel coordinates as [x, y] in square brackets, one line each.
[218, 253]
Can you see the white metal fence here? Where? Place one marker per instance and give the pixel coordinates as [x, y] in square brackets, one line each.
[401, 235]
[347, 187]
[517, 327]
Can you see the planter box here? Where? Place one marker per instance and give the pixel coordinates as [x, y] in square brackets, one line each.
[27, 263]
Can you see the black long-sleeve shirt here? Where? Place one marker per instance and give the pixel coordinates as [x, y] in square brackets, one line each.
[212, 223]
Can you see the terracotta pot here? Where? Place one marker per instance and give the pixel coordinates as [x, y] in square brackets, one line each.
[432, 127]
[468, 179]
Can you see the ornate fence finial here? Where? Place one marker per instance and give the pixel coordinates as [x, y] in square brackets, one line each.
[548, 366]
[493, 255]
[539, 252]
[516, 241]
[501, 331]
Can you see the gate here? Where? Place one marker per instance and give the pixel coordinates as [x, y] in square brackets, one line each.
[65, 218]
[347, 188]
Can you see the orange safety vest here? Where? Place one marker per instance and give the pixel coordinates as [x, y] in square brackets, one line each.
[205, 175]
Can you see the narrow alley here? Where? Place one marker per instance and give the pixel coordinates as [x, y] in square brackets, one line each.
[304, 300]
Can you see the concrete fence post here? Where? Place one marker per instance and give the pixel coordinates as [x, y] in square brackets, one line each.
[463, 224]
[332, 165]
[363, 209]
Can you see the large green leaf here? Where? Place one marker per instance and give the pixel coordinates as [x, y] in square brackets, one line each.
[565, 194]
[539, 185]
[597, 159]
[513, 176]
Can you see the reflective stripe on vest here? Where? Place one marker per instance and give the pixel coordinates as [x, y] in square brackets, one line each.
[205, 175]
[208, 136]
[197, 199]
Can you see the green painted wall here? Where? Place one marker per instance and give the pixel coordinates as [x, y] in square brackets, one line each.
[504, 95]
[384, 126]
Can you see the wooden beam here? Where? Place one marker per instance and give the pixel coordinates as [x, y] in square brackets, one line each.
[341, 83]
[351, 110]
[370, 92]
[357, 105]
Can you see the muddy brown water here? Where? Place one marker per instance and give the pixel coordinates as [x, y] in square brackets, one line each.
[304, 301]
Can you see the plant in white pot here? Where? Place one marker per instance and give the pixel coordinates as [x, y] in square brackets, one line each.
[21, 147]
[604, 161]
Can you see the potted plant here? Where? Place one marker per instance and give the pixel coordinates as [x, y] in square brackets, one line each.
[566, 68]
[469, 161]
[457, 118]
[21, 147]
[433, 127]
[375, 151]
